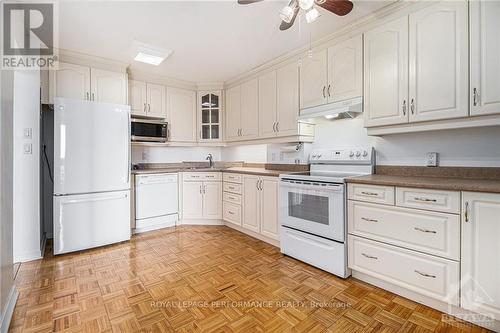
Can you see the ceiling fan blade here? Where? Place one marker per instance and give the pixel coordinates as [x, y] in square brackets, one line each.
[247, 2]
[284, 26]
[339, 7]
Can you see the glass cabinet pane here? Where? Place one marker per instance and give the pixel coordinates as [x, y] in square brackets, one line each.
[205, 116]
[214, 100]
[214, 119]
[205, 101]
[215, 131]
[205, 132]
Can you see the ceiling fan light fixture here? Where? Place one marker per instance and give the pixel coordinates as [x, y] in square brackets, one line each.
[311, 15]
[306, 4]
[286, 14]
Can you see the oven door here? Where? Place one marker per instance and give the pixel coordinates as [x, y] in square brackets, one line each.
[144, 130]
[313, 207]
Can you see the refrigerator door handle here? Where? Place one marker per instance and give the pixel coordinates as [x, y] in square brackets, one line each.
[129, 150]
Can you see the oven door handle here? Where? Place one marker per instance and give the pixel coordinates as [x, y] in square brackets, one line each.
[338, 188]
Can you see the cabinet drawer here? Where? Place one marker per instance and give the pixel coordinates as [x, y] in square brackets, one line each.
[232, 198]
[429, 232]
[371, 193]
[231, 213]
[232, 187]
[440, 201]
[204, 176]
[232, 177]
[421, 273]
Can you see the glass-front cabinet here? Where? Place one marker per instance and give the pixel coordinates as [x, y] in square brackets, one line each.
[210, 115]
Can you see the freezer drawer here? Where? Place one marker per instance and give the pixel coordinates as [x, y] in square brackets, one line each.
[90, 220]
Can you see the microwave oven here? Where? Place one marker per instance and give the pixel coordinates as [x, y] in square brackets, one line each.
[148, 130]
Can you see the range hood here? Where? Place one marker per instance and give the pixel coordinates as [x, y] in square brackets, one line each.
[338, 110]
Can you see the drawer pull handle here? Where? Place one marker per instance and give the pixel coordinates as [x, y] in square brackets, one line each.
[466, 211]
[369, 257]
[231, 212]
[425, 199]
[426, 275]
[425, 230]
[368, 220]
[369, 193]
[232, 198]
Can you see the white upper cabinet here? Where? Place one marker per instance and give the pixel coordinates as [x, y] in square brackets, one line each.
[156, 100]
[287, 99]
[484, 57]
[439, 62]
[71, 81]
[480, 287]
[108, 87]
[233, 113]
[249, 109]
[386, 74]
[267, 104]
[210, 116]
[137, 97]
[181, 114]
[345, 70]
[314, 79]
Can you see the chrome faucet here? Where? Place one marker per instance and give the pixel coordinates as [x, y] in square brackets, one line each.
[210, 160]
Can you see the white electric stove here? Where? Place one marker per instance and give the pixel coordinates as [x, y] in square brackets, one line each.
[312, 210]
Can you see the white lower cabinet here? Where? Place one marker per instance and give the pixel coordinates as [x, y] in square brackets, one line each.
[231, 210]
[427, 275]
[251, 203]
[481, 253]
[202, 199]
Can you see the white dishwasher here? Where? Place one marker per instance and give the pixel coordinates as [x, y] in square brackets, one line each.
[156, 201]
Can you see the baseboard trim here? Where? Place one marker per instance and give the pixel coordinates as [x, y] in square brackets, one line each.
[28, 257]
[9, 310]
[200, 222]
[253, 234]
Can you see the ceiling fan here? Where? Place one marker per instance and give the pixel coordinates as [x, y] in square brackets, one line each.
[289, 13]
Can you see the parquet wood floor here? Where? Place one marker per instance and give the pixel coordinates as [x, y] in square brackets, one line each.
[205, 279]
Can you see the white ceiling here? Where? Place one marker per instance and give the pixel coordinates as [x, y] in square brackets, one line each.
[212, 41]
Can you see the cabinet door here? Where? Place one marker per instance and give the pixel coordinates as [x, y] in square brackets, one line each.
[345, 70]
[156, 100]
[108, 87]
[313, 79]
[181, 105]
[71, 81]
[209, 116]
[250, 110]
[439, 62]
[212, 200]
[484, 52]
[192, 200]
[137, 97]
[481, 253]
[386, 74]
[287, 91]
[267, 105]
[233, 113]
[269, 208]
[251, 203]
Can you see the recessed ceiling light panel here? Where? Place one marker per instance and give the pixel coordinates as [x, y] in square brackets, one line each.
[149, 54]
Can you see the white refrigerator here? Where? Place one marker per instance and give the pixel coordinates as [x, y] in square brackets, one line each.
[91, 174]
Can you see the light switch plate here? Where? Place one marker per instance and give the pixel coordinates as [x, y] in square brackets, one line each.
[28, 133]
[432, 159]
[28, 148]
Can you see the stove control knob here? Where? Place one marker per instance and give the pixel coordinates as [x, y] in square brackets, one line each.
[319, 156]
[351, 154]
[365, 153]
[358, 153]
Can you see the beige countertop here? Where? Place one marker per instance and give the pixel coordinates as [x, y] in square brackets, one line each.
[437, 183]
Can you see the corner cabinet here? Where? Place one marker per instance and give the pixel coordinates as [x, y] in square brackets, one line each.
[484, 54]
[480, 288]
[210, 116]
[201, 195]
[416, 67]
[181, 114]
[147, 99]
[242, 111]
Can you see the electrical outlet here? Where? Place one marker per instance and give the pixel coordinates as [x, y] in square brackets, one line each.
[28, 148]
[432, 159]
[28, 133]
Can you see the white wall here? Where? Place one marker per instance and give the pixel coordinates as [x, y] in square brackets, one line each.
[246, 153]
[26, 166]
[173, 154]
[461, 147]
